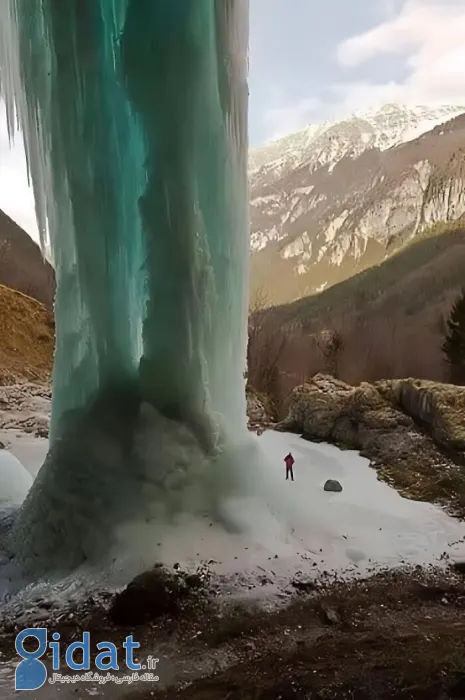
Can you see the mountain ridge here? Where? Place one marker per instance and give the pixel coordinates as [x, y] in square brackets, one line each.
[390, 125]
[315, 226]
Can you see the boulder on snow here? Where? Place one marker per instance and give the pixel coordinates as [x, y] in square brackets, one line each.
[333, 485]
[153, 594]
[150, 595]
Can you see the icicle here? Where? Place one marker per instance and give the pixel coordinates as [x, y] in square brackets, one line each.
[135, 121]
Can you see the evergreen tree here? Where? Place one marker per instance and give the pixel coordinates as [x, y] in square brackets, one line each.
[453, 346]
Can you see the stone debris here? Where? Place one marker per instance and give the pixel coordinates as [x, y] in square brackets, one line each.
[26, 408]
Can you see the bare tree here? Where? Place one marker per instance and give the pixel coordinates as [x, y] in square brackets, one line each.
[330, 345]
[266, 343]
[256, 324]
[260, 301]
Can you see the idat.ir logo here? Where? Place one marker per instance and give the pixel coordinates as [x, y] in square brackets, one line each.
[31, 673]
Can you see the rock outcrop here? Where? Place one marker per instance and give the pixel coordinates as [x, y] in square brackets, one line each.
[440, 408]
[26, 408]
[412, 431]
[360, 418]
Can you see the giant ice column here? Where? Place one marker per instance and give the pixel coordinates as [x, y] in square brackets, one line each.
[134, 114]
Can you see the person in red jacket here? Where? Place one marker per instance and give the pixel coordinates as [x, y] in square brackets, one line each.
[289, 461]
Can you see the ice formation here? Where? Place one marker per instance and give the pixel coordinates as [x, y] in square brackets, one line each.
[134, 115]
[15, 480]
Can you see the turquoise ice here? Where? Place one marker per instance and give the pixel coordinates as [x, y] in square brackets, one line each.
[134, 114]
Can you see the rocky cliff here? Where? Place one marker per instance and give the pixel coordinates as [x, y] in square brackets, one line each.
[339, 198]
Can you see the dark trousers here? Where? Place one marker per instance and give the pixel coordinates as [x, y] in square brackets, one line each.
[290, 471]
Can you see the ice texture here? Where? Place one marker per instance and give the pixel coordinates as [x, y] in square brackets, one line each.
[134, 117]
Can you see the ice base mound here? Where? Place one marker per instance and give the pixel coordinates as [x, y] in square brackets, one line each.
[116, 481]
[15, 480]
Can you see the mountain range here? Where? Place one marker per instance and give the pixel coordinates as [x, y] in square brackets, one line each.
[326, 203]
[337, 198]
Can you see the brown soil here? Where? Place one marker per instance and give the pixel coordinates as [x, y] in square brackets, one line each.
[26, 338]
[394, 636]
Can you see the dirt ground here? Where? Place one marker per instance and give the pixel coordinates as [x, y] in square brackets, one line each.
[395, 636]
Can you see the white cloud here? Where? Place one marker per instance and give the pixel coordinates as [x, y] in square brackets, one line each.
[427, 35]
[389, 8]
[16, 197]
[430, 34]
[280, 121]
[351, 97]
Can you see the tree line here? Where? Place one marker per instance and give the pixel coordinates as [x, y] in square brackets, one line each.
[384, 346]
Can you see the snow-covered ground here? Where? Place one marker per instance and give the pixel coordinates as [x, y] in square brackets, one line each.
[24, 416]
[369, 520]
[29, 450]
[365, 526]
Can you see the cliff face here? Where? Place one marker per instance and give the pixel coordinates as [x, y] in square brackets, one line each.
[353, 195]
[22, 266]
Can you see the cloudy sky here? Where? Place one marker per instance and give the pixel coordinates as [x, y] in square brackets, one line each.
[312, 60]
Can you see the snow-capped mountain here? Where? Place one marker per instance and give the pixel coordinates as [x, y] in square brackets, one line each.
[327, 143]
[338, 197]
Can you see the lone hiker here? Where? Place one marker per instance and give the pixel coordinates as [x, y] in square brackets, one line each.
[289, 461]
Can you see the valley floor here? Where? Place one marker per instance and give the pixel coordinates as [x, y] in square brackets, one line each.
[395, 634]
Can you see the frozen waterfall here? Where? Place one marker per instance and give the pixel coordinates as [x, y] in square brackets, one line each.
[134, 114]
